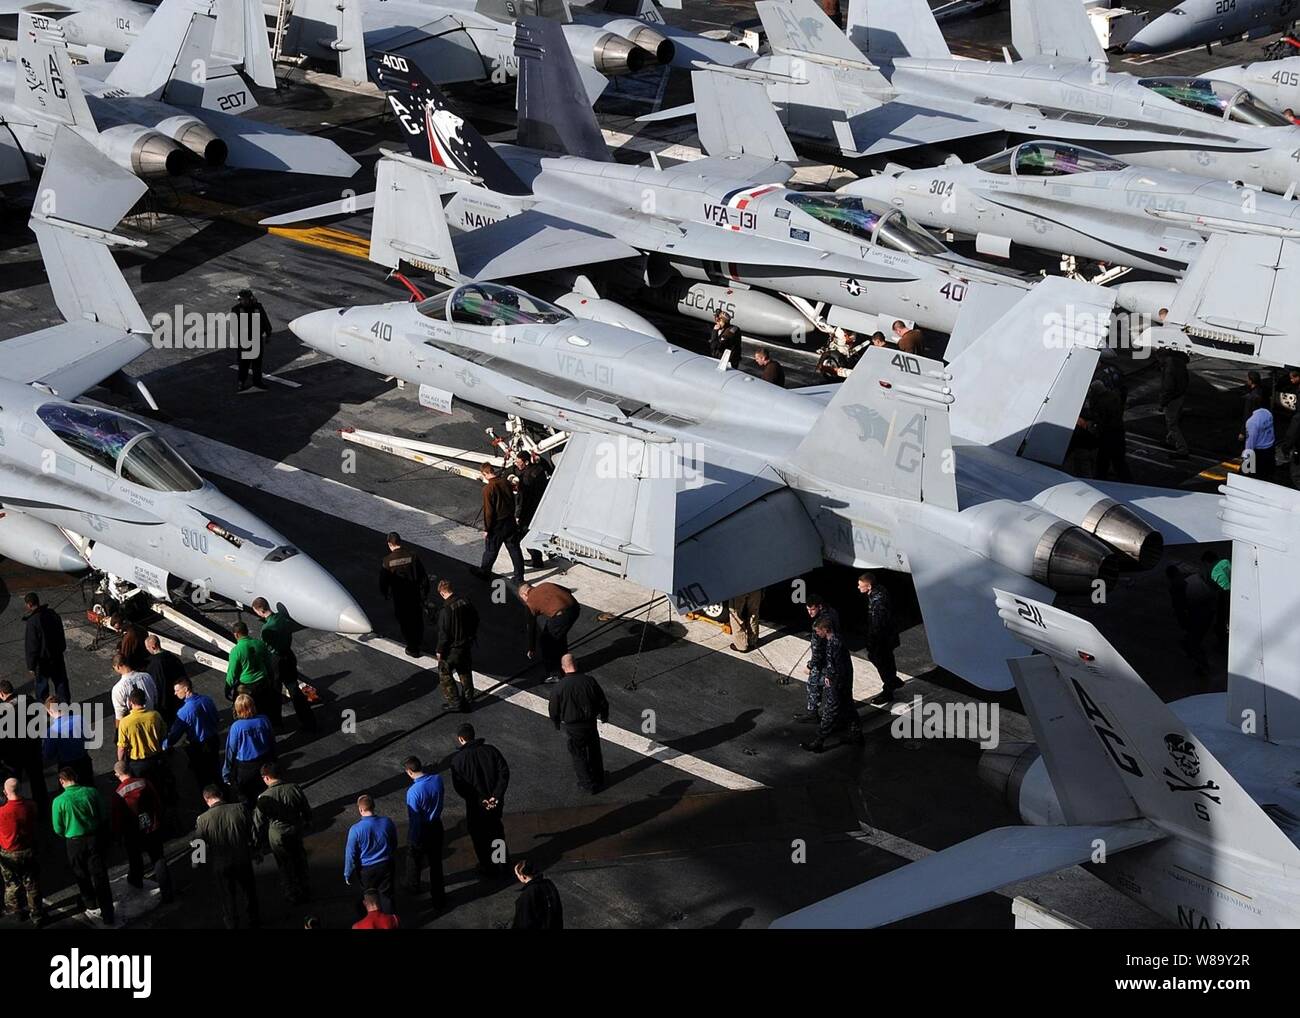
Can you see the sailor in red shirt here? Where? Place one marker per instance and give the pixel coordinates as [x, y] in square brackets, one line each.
[375, 919]
[137, 819]
[19, 867]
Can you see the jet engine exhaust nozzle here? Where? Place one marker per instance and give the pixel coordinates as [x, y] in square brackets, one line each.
[1069, 559]
[1122, 528]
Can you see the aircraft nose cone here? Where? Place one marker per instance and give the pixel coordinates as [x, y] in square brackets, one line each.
[311, 596]
[1154, 38]
[315, 329]
[353, 622]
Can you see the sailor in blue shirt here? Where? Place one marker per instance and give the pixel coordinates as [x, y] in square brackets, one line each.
[424, 833]
[65, 744]
[370, 853]
[196, 720]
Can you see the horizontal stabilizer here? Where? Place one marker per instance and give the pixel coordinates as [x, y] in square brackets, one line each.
[954, 587]
[1263, 521]
[342, 207]
[1173, 778]
[660, 516]
[1003, 856]
[257, 145]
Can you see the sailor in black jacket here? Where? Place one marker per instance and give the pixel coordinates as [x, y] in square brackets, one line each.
[480, 775]
[576, 705]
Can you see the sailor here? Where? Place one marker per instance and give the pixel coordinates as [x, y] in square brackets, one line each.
[909, 340]
[1174, 380]
[277, 633]
[770, 368]
[818, 611]
[252, 327]
[1290, 444]
[499, 525]
[743, 612]
[882, 636]
[552, 611]
[457, 628]
[576, 705]
[44, 644]
[480, 775]
[837, 690]
[403, 578]
[1258, 457]
[533, 473]
[725, 338]
[538, 906]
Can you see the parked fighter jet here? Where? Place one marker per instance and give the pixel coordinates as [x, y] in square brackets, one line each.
[474, 40]
[100, 31]
[555, 200]
[85, 486]
[908, 92]
[1193, 805]
[149, 114]
[863, 474]
[1063, 198]
[1202, 22]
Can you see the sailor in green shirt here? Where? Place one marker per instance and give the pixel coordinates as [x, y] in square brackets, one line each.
[249, 665]
[79, 816]
[277, 633]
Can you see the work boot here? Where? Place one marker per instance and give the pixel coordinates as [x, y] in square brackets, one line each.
[806, 718]
[814, 746]
[883, 698]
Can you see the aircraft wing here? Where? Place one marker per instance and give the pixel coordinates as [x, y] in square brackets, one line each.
[991, 860]
[898, 125]
[534, 241]
[1241, 300]
[70, 358]
[104, 329]
[256, 145]
[673, 519]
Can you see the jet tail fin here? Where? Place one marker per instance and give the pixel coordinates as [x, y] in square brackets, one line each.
[171, 55]
[1041, 29]
[1263, 521]
[734, 116]
[46, 84]
[886, 431]
[555, 114]
[435, 133]
[241, 38]
[1171, 776]
[82, 196]
[1052, 355]
[887, 29]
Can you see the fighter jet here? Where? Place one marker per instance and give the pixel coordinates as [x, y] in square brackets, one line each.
[148, 114]
[1066, 199]
[907, 92]
[555, 200]
[82, 486]
[474, 40]
[1202, 22]
[1192, 806]
[100, 31]
[675, 463]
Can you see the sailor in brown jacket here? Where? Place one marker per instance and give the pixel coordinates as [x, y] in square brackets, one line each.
[499, 525]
